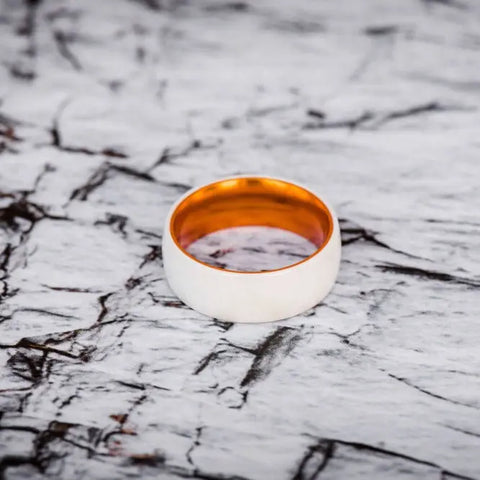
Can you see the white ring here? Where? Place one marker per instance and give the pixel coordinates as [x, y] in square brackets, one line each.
[253, 296]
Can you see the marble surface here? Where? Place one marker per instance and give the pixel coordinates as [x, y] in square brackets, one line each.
[251, 249]
[109, 110]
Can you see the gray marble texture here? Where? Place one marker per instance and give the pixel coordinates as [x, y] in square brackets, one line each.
[111, 109]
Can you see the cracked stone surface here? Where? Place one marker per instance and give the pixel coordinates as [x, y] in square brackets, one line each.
[110, 110]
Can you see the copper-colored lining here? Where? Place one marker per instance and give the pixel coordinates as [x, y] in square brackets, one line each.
[251, 201]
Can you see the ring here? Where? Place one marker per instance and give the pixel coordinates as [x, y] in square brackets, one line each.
[259, 296]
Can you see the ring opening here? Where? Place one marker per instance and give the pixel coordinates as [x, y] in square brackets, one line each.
[251, 201]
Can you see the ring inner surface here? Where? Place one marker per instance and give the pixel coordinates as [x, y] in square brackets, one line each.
[251, 201]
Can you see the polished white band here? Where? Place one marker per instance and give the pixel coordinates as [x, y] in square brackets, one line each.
[253, 296]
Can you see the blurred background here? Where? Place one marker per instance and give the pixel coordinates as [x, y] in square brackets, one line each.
[110, 110]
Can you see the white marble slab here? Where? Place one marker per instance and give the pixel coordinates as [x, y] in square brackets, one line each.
[110, 110]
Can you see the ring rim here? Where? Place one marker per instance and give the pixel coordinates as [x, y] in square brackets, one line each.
[171, 216]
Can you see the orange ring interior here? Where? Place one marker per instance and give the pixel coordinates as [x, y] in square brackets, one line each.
[251, 201]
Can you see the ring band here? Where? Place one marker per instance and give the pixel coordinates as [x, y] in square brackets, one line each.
[251, 296]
